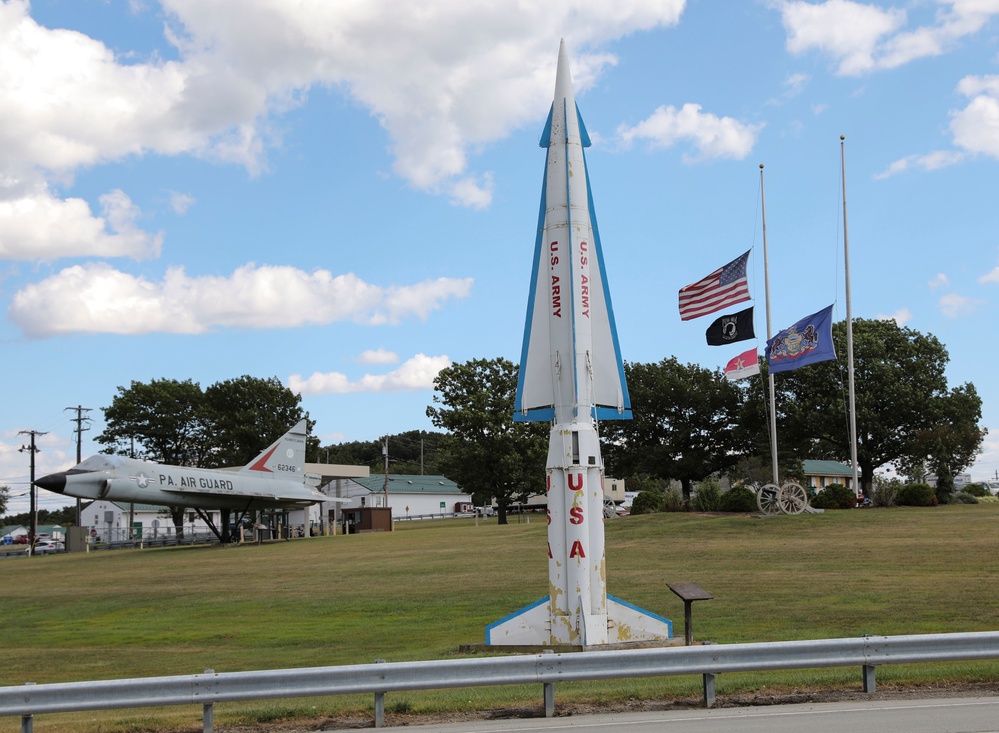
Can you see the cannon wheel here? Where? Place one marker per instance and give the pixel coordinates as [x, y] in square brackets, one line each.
[793, 499]
[767, 499]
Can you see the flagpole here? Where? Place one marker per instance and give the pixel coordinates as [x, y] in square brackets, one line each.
[849, 325]
[770, 376]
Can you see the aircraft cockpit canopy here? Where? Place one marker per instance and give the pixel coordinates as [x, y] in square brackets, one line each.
[99, 463]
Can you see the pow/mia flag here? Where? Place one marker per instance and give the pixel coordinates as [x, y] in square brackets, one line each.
[731, 328]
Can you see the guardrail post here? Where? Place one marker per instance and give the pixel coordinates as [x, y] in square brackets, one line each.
[208, 711]
[549, 691]
[379, 704]
[869, 678]
[709, 690]
[549, 699]
[27, 721]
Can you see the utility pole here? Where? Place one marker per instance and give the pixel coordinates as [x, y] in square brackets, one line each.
[79, 420]
[33, 525]
[385, 486]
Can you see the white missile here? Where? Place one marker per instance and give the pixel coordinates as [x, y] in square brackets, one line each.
[571, 375]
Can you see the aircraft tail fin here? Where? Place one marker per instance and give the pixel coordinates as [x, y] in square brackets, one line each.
[285, 457]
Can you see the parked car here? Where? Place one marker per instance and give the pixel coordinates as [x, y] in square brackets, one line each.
[44, 547]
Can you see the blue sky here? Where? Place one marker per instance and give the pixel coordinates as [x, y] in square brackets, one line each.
[344, 195]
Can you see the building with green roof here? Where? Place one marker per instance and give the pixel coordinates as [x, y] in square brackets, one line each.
[820, 474]
[409, 496]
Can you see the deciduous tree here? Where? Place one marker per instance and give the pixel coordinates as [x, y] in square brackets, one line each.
[684, 425]
[904, 410]
[483, 449]
[247, 413]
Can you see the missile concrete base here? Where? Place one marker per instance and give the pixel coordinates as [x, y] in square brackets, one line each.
[532, 626]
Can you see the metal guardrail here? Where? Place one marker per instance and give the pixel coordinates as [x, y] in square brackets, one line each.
[547, 668]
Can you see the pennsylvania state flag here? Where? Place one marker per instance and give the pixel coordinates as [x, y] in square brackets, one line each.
[808, 341]
[731, 328]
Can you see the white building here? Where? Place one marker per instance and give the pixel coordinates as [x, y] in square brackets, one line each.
[107, 521]
[409, 496]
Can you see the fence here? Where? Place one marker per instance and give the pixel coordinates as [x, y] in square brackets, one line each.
[547, 669]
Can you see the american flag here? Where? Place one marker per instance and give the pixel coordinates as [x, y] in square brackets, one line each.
[724, 287]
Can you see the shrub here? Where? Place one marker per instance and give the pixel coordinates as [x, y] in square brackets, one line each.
[708, 497]
[885, 491]
[917, 495]
[975, 490]
[962, 497]
[673, 500]
[835, 496]
[647, 502]
[738, 499]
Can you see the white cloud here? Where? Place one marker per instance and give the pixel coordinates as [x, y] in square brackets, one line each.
[941, 280]
[990, 277]
[181, 202]
[976, 127]
[416, 373]
[901, 316]
[378, 356]
[40, 226]
[848, 31]
[928, 162]
[795, 83]
[66, 102]
[953, 305]
[712, 136]
[441, 77]
[472, 193]
[988, 461]
[862, 38]
[95, 298]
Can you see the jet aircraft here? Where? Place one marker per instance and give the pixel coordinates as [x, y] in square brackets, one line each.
[275, 479]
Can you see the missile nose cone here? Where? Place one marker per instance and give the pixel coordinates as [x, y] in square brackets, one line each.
[563, 79]
[53, 482]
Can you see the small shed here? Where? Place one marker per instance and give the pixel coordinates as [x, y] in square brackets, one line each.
[367, 519]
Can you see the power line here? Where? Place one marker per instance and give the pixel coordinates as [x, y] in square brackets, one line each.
[79, 420]
[32, 449]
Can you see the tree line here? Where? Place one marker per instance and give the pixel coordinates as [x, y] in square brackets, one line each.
[691, 423]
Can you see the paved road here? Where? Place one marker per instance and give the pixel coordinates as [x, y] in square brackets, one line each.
[951, 715]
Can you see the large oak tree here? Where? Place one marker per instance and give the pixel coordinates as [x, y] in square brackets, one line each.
[905, 412]
[484, 450]
[685, 424]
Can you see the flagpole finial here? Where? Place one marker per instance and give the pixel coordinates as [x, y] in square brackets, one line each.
[842, 137]
[761, 166]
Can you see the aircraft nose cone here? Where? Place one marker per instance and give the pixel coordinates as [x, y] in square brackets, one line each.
[53, 482]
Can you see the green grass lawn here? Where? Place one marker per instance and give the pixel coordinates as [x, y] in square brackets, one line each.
[420, 592]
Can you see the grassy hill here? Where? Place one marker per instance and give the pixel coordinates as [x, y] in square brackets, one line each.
[420, 592]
